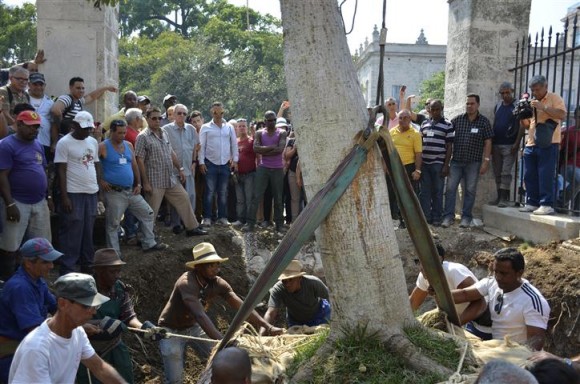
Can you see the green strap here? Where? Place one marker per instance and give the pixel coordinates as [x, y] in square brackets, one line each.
[8, 348]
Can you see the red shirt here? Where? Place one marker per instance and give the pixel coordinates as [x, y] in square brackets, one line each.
[571, 142]
[131, 135]
[247, 157]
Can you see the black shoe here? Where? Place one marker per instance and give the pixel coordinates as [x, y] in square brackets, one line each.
[402, 224]
[178, 229]
[157, 247]
[248, 228]
[195, 232]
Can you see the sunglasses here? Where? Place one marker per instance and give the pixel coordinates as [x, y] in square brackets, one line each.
[156, 118]
[182, 113]
[498, 304]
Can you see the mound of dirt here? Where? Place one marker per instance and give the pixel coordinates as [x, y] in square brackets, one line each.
[554, 270]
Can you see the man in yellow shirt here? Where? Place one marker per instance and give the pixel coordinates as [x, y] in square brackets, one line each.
[409, 144]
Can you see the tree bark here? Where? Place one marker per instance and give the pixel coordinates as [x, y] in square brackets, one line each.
[359, 249]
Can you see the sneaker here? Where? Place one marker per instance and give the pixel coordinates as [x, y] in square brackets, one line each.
[465, 222]
[544, 210]
[237, 223]
[265, 224]
[528, 208]
[206, 222]
[447, 222]
[223, 221]
[248, 228]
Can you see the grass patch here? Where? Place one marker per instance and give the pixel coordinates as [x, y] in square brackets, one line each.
[306, 352]
[526, 245]
[440, 349]
[360, 357]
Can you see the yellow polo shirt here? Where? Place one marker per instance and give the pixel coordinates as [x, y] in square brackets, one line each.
[408, 143]
[551, 100]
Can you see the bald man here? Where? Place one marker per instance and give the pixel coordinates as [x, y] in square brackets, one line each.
[231, 366]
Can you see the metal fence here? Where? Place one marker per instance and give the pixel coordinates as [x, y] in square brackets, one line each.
[555, 57]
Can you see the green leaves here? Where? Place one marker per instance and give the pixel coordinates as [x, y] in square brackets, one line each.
[433, 88]
[18, 37]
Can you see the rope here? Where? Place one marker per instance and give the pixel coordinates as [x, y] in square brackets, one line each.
[353, 17]
[169, 334]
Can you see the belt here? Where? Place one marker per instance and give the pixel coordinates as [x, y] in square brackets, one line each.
[118, 188]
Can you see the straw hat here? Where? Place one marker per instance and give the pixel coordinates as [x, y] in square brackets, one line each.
[204, 253]
[107, 257]
[294, 269]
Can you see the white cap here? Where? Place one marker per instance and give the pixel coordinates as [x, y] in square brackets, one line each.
[85, 119]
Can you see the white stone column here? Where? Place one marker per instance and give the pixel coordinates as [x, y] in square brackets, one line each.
[80, 40]
[481, 45]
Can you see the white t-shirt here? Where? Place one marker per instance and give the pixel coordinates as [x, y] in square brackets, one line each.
[80, 156]
[524, 306]
[455, 273]
[44, 357]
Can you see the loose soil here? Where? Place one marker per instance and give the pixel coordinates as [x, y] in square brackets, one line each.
[553, 269]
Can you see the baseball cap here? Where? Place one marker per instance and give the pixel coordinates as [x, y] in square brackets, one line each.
[79, 287]
[85, 119]
[28, 117]
[143, 99]
[39, 247]
[167, 97]
[36, 77]
[281, 122]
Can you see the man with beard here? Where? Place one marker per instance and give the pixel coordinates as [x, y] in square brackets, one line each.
[185, 312]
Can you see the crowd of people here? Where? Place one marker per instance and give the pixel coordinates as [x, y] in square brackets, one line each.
[146, 164]
[440, 154]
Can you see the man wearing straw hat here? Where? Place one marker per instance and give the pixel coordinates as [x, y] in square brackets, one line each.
[185, 312]
[304, 296]
[52, 352]
[112, 317]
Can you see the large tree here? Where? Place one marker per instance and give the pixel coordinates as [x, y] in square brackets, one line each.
[359, 249]
[18, 36]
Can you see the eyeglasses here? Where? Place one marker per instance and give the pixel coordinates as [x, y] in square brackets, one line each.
[182, 113]
[156, 118]
[20, 78]
[498, 304]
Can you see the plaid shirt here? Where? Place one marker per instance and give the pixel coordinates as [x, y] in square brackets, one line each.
[470, 137]
[156, 152]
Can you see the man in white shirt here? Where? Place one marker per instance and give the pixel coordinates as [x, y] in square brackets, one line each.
[52, 352]
[42, 104]
[517, 308]
[77, 161]
[218, 156]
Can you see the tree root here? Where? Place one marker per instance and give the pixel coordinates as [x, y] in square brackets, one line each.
[417, 361]
[306, 370]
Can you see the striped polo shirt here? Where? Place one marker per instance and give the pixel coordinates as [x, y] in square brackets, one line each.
[435, 136]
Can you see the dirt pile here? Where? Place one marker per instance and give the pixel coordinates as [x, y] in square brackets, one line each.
[551, 268]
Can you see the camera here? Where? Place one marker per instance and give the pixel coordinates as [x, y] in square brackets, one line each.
[523, 108]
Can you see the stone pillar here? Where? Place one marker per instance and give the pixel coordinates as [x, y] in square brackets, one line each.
[80, 40]
[481, 45]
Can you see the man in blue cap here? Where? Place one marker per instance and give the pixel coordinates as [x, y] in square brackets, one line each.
[25, 300]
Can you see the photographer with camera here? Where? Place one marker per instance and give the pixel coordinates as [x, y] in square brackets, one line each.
[541, 152]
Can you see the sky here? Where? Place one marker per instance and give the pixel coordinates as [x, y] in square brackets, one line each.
[431, 15]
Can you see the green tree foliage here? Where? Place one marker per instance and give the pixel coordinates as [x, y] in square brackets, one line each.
[18, 34]
[433, 88]
[198, 72]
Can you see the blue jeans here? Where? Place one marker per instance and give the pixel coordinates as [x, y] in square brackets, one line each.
[539, 174]
[469, 172]
[173, 352]
[244, 195]
[216, 180]
[321, 317]
[75, 233]
[431, 195]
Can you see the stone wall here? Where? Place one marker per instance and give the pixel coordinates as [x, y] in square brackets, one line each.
[80, 40]
[481, 44]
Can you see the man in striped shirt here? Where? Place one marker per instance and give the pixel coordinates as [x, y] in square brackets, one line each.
[437, 133]
[517, 308]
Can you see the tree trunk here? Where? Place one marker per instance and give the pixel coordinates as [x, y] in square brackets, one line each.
[359, 249]
[358, 244]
